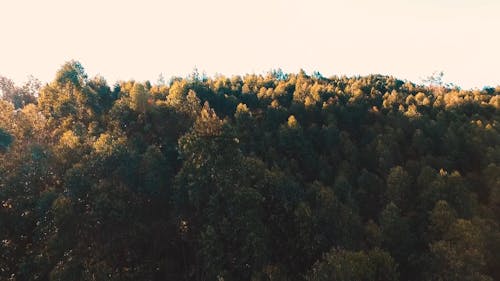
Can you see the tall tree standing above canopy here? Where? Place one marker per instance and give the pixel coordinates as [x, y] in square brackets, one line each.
[67, 95]
[73, 73]
[139, 98]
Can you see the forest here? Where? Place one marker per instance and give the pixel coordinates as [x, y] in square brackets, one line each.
[276, 176]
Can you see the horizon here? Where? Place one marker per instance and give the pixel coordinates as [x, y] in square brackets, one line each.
[120, 40]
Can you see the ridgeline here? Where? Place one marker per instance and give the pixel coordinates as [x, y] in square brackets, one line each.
[260, 177]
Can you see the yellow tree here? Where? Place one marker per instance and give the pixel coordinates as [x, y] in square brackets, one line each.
[139, 97]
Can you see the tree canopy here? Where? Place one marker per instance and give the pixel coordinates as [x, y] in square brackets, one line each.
[255, 177]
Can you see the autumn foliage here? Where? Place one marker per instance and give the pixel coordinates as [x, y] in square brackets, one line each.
[260, 177]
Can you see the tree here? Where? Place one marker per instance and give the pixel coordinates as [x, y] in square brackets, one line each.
[436, 79]
[19, 96]
[67, 96]
[397, 237]
[5, 140]
[139, 98]
[71, 73]
[398, 187]
[441, 219]
[460, 255]
[344, 265]
[219, 206]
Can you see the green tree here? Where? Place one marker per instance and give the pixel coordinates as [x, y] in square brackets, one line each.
[218, 204]
[5, 140]
[460, 254]
[398, 187]
[346, 265]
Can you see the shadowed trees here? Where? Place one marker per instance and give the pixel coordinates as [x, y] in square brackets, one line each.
[274, 177]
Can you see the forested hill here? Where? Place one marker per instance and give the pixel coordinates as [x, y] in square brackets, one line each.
[273, 177]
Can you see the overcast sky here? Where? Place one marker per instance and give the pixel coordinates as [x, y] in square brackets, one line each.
[122, 39]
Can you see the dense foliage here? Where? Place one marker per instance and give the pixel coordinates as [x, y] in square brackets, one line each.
[276, 177]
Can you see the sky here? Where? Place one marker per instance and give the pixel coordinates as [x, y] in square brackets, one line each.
[124, 39]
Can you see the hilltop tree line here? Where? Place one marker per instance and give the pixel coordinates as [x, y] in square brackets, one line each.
[261, 177]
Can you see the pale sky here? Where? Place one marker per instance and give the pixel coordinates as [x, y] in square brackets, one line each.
[121, 39]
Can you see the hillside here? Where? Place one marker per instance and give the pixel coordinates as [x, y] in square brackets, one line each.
[260, 177]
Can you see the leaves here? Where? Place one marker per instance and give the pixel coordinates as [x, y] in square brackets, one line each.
[275, 177]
